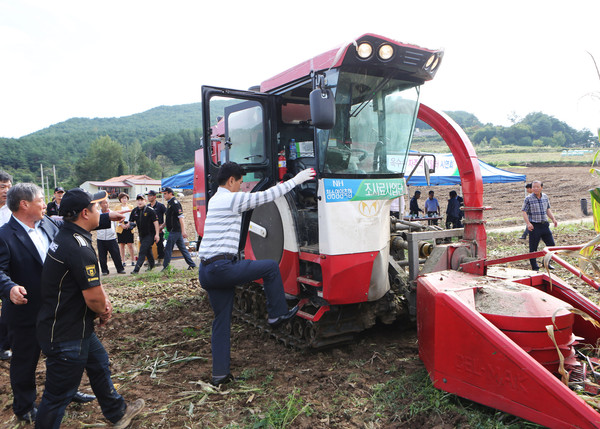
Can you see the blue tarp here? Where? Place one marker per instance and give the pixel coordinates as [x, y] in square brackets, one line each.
[446, 172]
[183, 180]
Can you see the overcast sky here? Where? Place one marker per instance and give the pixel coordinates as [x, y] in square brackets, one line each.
[61, 59]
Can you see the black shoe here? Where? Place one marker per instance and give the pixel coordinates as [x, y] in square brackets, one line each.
[105, 273]
[29, 416]
[5, 355]
[121, 272]
[191, 267]
[550, 267]
[217, 381]
[82, 398]
[149, 268]
[135, 272]
[287, 316]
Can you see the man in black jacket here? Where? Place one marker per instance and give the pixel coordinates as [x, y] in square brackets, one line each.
[176, 229]
[72, 296]
[24, 243]
[54, 206]
[160, 210]
[144, 218]
[414, 204]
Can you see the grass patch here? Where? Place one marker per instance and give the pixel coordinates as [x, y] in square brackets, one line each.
[410, 397]
[282, 415]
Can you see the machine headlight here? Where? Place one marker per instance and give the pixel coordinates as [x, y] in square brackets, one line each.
[430, 61]
[385, 52]
[364, 50]
[435, 63]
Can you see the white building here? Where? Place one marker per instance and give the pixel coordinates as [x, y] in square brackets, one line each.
[129, 183]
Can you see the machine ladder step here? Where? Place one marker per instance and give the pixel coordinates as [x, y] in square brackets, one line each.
[309, 282]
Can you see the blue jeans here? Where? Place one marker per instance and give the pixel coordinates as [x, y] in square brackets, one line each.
[65, 363]
[175, 238]
[219, 279]
[541, 231]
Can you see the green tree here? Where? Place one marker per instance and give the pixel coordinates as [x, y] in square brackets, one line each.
[103, 161]
[495, 142]
[486, 133]
[165, 164]
[138, 163]
[464, 119]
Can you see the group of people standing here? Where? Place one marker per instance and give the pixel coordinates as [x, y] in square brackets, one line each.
[151, 218]
[52, 294]
[454, 214]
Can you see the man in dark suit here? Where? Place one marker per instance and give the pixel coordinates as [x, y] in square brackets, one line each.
[24, 243]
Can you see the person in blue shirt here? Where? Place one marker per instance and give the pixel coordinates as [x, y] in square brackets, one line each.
[536, 211]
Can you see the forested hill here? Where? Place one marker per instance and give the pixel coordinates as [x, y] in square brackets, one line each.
[126, 129]
[170, 131]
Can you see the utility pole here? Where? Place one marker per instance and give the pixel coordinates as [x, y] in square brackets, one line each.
[42, 176]
[54, 170]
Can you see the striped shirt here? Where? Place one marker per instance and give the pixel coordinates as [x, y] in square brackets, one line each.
[536, 208]
[223, 224]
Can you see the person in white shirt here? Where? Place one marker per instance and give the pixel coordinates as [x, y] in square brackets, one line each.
[106, 241]
[220, 271]
[5, 185]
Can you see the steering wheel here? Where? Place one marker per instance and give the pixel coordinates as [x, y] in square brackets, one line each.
[301, 166]
[363, 153]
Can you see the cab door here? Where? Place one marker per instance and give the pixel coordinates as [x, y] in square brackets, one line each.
[239, 126]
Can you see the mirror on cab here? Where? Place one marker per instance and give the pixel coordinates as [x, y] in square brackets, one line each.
[322, 108]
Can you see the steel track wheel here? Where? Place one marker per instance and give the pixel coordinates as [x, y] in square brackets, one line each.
[256, 306]
[310, 332]
[262, 307]
[237, 301]
[298, 327]
[287, 328]
[246, 302]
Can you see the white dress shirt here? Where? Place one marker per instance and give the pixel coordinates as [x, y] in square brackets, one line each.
[39, 238]
[4, 214]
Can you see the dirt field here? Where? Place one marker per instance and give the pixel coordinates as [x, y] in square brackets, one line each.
[565, 186]
[160, 349]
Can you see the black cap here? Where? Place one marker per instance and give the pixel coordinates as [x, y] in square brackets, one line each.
[77, 199]
[151, 192]
[140, 197]
[59, 189]
[169, 190]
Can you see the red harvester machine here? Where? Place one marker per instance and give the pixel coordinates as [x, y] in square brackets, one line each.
[497, 336]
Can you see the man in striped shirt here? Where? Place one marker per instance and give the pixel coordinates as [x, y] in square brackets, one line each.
[536, 211]
[220, 271]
